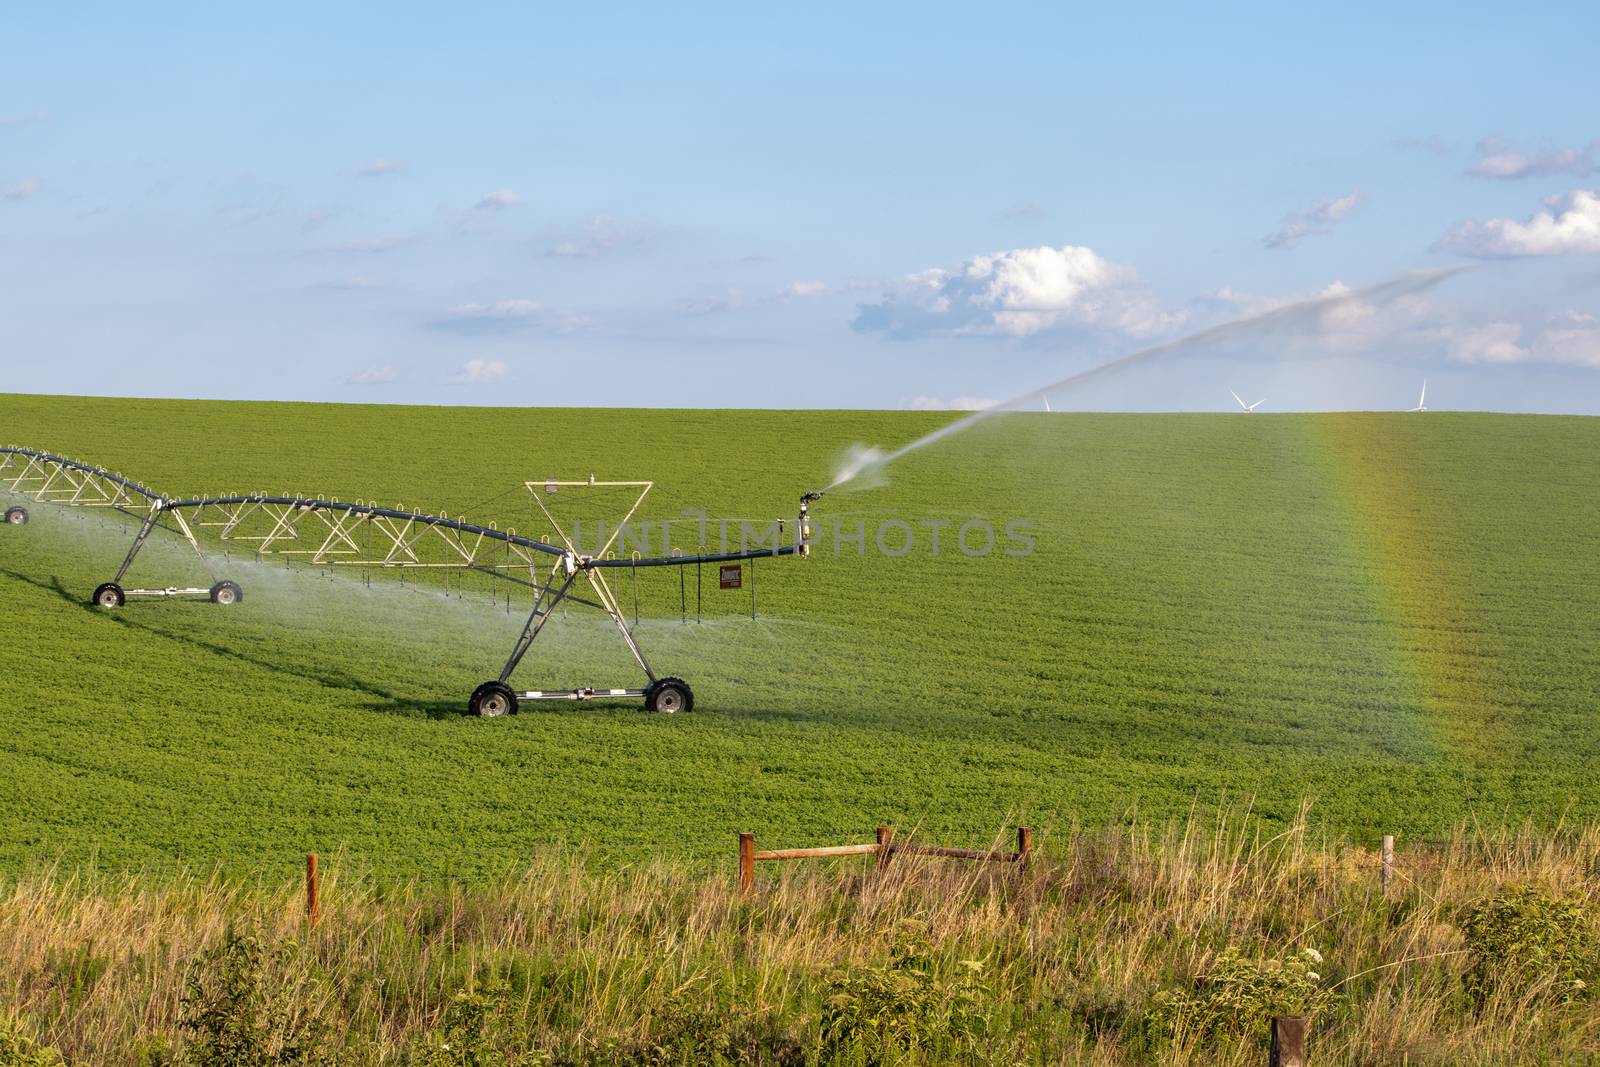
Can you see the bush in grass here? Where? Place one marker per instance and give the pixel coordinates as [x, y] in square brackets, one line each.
[1239, 996]
[478, 1030]
[876, 1014]
[1524, 935]
[17, 1050]
[722, 1032]
[239, 1011]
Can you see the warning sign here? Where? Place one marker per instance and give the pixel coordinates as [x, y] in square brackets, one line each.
[732, 576]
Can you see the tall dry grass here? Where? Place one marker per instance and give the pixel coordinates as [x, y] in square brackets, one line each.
[593, 963]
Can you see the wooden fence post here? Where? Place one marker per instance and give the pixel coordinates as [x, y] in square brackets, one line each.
[885, 843]
[747, 862]
[1024, 846]
[1288, 1041]
[1388, 863]
[313, 898]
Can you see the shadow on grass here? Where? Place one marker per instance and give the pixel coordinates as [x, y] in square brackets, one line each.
[379, 699]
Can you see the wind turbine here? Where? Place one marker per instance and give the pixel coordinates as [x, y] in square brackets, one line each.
[1422, 401]
[1247, 407]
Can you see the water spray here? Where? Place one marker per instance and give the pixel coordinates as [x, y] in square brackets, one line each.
[330, 534]
[866, 461]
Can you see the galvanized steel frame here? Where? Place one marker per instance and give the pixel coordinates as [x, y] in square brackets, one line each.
[330, 533]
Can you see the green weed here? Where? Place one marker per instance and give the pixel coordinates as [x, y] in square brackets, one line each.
[1526, 937]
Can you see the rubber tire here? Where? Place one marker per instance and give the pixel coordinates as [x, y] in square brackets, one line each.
[228, 589]
[491, 696]
[108, 595]
[668, 696]
[16, 516]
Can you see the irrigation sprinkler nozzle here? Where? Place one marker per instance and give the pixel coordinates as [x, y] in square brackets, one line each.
[803, 527]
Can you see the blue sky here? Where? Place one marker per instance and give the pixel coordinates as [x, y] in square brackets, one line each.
[891, 206]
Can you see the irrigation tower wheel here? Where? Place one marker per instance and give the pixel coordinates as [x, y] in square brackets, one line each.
[491, 700]
[226, 593]
[669, 695]
[16, 516]
[109, 595]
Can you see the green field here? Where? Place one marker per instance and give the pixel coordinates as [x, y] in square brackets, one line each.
[1395, 616]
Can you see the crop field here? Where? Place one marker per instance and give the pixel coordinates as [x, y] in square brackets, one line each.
[1395, 616]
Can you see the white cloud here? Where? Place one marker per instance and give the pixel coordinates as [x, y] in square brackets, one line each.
[800, 290]
[24, 189]
[1496, 160]
[379, 168]
[960, 403]
[712, 304]
[373, 376]
[502, 310]
[1233, 303]
[1575, 338]
[1335, 318]
[1018, 293]
[600, 235]
[481, 372]
[367, 245]
[498, 200]
[1572, 224]
[1415, 323]
[1314, 219]
[25, 119]
[350, 283]
[504, 316]
[1343, 316]
[1572, 339]
[1495, 342]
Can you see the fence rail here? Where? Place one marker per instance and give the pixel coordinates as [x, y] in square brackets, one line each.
[885, 848]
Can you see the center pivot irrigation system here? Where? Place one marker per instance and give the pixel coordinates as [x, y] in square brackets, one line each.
[330, 533]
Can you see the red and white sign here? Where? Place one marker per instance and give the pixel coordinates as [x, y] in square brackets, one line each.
[732, 576]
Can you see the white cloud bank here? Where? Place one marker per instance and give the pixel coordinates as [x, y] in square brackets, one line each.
[373, 376]
[505, 316]
[1497, 160]
[601, 235]
[960, 403]
[1314, 219]
[801, 290]
[1570, 225]
[1572, 340]
[380, 168]
[498, 200]
[1017, 293]
[481, 372]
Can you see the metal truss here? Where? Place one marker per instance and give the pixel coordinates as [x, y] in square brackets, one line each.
[44, 476]
[56, 479]
[333, 534]
[330, 533]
